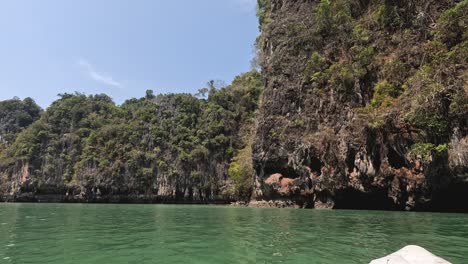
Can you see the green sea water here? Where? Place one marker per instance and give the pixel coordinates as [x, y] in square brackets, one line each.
[95, 233]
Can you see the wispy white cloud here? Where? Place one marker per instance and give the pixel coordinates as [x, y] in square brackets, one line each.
[247, 5]
[104, 78]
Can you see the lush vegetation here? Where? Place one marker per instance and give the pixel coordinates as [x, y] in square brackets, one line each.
[15, 115]
[379, 58]
[175, 146]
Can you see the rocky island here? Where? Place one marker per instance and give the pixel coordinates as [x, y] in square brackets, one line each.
[357, 104]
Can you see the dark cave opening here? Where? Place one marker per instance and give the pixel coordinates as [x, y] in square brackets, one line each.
[281, 166]
[353, 199]
[350, 159]
[376, 160]
[453, 198]
[395, 159]
[315, 166]
[313, 163]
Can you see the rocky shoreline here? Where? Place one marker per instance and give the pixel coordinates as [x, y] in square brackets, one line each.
[154, 199]
[111, 199]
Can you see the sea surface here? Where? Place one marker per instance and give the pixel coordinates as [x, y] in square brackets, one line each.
[103, 233]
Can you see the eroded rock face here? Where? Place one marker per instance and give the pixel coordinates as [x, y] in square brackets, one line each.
[283, 186]
[313, 144]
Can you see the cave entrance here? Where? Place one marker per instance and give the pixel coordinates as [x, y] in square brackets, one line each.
[395, 160]
[313, 163]
[281, 166]
[315, 166]
[374, 200]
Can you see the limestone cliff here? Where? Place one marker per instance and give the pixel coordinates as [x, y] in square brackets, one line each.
[164, 148]
[365, 105]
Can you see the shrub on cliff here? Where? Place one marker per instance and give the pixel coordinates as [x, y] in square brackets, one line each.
[241, 172]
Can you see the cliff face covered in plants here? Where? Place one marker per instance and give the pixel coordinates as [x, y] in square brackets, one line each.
[359, 104]
[365, 104]
[173, 148]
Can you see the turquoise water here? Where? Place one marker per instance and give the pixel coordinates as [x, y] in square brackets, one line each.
[93, 233]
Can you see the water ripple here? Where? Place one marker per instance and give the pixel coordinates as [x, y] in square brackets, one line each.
[83, 233]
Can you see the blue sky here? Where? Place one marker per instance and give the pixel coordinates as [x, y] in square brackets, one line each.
[121, 47]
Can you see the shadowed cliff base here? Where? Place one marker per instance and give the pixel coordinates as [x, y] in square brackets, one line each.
[115, 199]
[449, 200]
